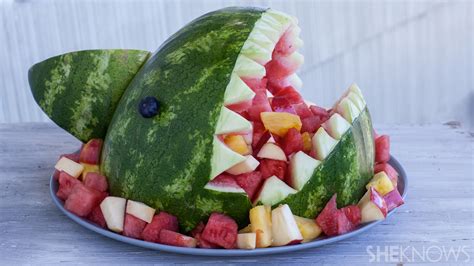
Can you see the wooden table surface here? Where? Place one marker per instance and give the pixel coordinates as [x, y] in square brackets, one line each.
[437, 216]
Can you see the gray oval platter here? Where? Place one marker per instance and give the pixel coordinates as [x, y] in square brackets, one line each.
[402, 188]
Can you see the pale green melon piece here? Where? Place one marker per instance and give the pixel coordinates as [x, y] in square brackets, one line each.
[323, 144]
[348, 110]
[247, 68]
[237, 91]
[256, 52]
[302, 167]
[231, 122]
[337, 126]
[354, 88]
[268, 30]
[273, 191]
[295, 81]
[223, 158]
[359, 103]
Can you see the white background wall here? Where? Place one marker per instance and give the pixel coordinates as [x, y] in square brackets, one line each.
[412, 59]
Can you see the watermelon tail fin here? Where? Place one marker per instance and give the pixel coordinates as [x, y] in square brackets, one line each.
[80, 90]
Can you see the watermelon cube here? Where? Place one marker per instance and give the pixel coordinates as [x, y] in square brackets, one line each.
[257, 85]
[66, 185]
[382, 149]
[83, 200]
[221, 230]
[260, 104]
[291, 95]
[311, 124]
[97, 217]
[96, 181]
[160, 221]
[269, 167]
[352, 213]
[302, 110]
[260, 136]
[172, 238]
[319, 111]
[133, 227]
[90, 153]
[250, 182]
[333, 221]
[282, 105]
[197, 232]
[292, 142]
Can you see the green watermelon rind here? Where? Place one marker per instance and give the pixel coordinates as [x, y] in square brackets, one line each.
[80, 90]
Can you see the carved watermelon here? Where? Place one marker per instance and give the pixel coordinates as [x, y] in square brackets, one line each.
[225, 58]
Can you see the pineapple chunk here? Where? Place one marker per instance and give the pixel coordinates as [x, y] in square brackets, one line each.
[307, 144]
[280, 123]
[261, 224]
[89, 168]
[309, 229]
[247, 229]
[246, 240]
[381, 182]
[237, 143]
[69, 166]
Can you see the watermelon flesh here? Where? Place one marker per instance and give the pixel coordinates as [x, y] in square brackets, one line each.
[133, 227]
[66, 185]
[83, 200]
[173, 238]
[97, 217]
[269, 168]
[221, 230]
[96, 181]
[382, 149]
[334, 221]
[197, 232]
[163, 220]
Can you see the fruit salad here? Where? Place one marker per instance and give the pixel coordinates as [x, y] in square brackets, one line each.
[208, 143]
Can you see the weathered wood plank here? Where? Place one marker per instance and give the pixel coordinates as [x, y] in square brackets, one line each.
[438, 212]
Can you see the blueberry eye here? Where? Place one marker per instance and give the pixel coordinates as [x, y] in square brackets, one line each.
[149, 107]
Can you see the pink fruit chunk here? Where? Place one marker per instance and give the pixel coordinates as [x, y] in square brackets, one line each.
[240, 107]
[352, 212]
[133, 227]
[90, 153]
[280, 67]
[96, 181]
[250, 182]
[311, 124]
[83, 200]
[282, 105]
[173, 238]
[221, 230]
[257, 85]
[319, 111]
[382, 149]
[302, 110]
[160, 221]
[393, 199]
[197, 232]
[66, 185]
[389, 170]
[285, 44]
[97, 217]
[333, 221]
[260, 136]
[269, 167]
[260, 104]
[291, 95]
[224, 180]
[292, 142]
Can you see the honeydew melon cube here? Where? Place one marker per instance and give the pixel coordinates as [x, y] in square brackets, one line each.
[69, 166]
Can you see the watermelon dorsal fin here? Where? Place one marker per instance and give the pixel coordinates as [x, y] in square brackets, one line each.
[80, 90]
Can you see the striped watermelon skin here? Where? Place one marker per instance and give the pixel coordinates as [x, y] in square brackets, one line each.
[346, 171]
[165, 161]
[79, 91]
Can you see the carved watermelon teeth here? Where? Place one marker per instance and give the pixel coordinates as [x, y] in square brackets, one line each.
[255, 53]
